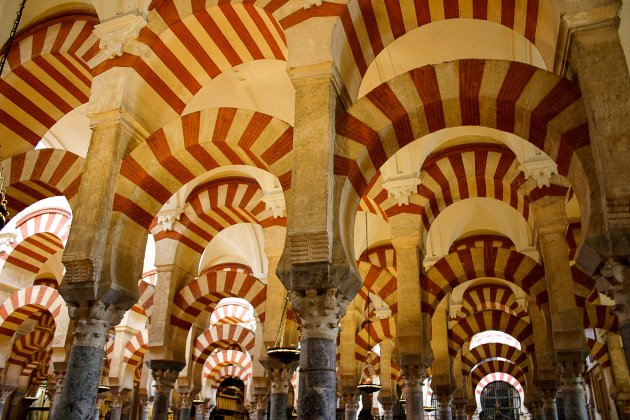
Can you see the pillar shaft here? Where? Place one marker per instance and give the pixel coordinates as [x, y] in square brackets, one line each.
[185, 404]
[320, 314]
[413, 376]
[85, 361]
[165, 373]
[351, 406]
[549, 409]
[280, 374]
[573, 399]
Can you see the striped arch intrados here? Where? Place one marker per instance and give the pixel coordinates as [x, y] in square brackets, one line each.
[25, 303]
[487, 350]
[47, 75]
[363, 39]
[39, 174]
[463, 330]
[192, 145]
[461, 266]
[484, 296]
[499, 376]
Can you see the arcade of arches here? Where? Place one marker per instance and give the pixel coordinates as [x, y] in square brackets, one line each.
[438, 191]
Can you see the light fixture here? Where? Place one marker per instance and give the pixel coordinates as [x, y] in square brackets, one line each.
[367, 386]
[281, 352]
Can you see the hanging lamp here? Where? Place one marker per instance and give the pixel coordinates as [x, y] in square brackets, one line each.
[368, 387]
[281, 352]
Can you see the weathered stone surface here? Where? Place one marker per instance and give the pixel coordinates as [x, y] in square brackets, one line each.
[80, 384]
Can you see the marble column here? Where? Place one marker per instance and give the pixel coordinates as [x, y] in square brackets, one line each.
[165, 373]
[573, 399]
[96, 412]
[16, 405]
[459, 408]
[534, 406]
[118, 399]
[260, 400]
[207, 410]
[4, 394]
[319, 313]
[549, 409]
[144, 406]
[60, 375]
[280, 374]
[85, 361]
[351, 406]
[413, 376]
[471, 409]
[445, 409]
[185, 405]
[387, 403]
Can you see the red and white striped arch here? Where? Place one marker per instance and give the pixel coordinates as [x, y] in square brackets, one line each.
[229, 371]
[213, 367]
[383, 256]
[195, 144]
[517, 98]
[490, 350]
[490, 297]
[24, 347]
[486, 241]
[498, 376]
[136, 348]
[458, 173]
[191, 43]
[601, 316]
[584, 286]
[472, 263]
[39, 174]
[380, 281]
[368, 26]
[466, 328]
[26, 303]
[377, 331]
[37, 365]
[232, 313]
[146, 290]
[216, 205]
[496, 367]
[39, 235]
[222, 337]
[47, 75]
[207, 290]
[109, 351]
[598, 351]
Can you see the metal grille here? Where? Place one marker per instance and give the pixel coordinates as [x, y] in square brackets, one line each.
[500, 400]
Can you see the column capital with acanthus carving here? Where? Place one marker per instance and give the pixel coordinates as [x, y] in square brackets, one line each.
[165, 373]
[93, 321]
[279, 374]
[320, 312]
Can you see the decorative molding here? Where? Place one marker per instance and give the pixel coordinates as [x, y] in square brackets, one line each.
[541, 169]
[6, 239]
[274, 201]
[309, 3]
[115, 33]
[166, 218]
[319, 313]
[402, 188]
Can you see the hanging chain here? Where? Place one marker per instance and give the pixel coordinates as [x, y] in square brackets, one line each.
[16, 23]
[283, 322]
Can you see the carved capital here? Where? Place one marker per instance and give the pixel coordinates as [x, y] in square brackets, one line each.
[4, 394]
[274, 201]
[185, 400]
[6, 241]
[279, 374]
[413, 376]
[401, 189]
[260, 400]
[570, 372]
[613, 279]
[115, 33]
[165, 373]
[540, 168]
[93, 322]
[309, 3]
[319, 313]
[351, 401]
[166, 218]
